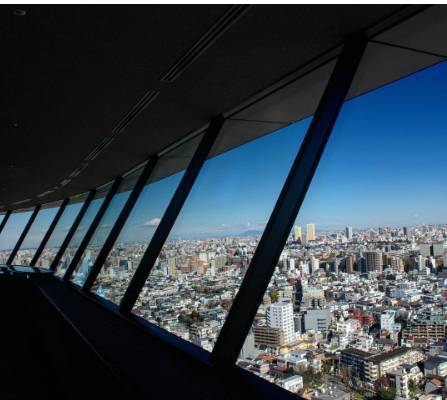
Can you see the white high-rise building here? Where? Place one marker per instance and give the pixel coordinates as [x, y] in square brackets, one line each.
[349, 232]
[280, 315]
[310, 232]
[314, 264]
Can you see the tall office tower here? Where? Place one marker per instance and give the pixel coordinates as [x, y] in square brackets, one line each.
[298, 234]
[350, 264]
[280, 315]
[310, 232]
[406, 231]
[374, 260]
[349, 232]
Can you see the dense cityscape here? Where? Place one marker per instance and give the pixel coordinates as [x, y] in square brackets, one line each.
[352, 313]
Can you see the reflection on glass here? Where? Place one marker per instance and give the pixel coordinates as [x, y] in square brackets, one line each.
[139, 228]
[60, 231]
[81, 231]
[11, 232]
[105, 226]
[356, 286]
[36, 233]
[203, 262]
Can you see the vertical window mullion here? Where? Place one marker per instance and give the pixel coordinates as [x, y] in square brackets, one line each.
[4, 220]
[170, 215]
[23, 235]
[92, 228]
[119, 223]
[257, 278]
[72, 230]
[48, 233]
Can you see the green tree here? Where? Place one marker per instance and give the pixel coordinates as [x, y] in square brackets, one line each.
[327, 364]
[386, 393]
[274, 296]
[412, 386]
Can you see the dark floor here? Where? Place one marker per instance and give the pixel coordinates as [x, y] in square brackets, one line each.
[57, 343]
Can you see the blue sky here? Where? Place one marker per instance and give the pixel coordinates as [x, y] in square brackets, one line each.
[384, 165]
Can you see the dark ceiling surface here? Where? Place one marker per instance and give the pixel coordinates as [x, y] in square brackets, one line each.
[71, 73]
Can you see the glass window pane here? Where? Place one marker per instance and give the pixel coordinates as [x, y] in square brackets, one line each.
[81, 231]
[142, 222]
[43, 220]
[361, 267]
[105, 226]
[60, 231]
[202, 264]
[12, 231]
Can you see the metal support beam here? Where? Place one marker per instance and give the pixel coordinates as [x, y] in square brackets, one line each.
[72, 230]
[271, 244]
[49, 232]
[170, 215]
[92, 228]
[23, 235]
[119, 223]
[4, 220]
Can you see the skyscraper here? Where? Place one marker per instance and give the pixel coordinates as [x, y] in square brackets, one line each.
[374, 260]
[310, 232]
[298, 235]
[349, 232]
[350, 264]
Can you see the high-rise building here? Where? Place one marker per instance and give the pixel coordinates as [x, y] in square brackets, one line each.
[298, 294]
[348, 232]
[374, 260]
[280, 315]
[349, 264]
[310, 232]
[297, 232]
[314, 264]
